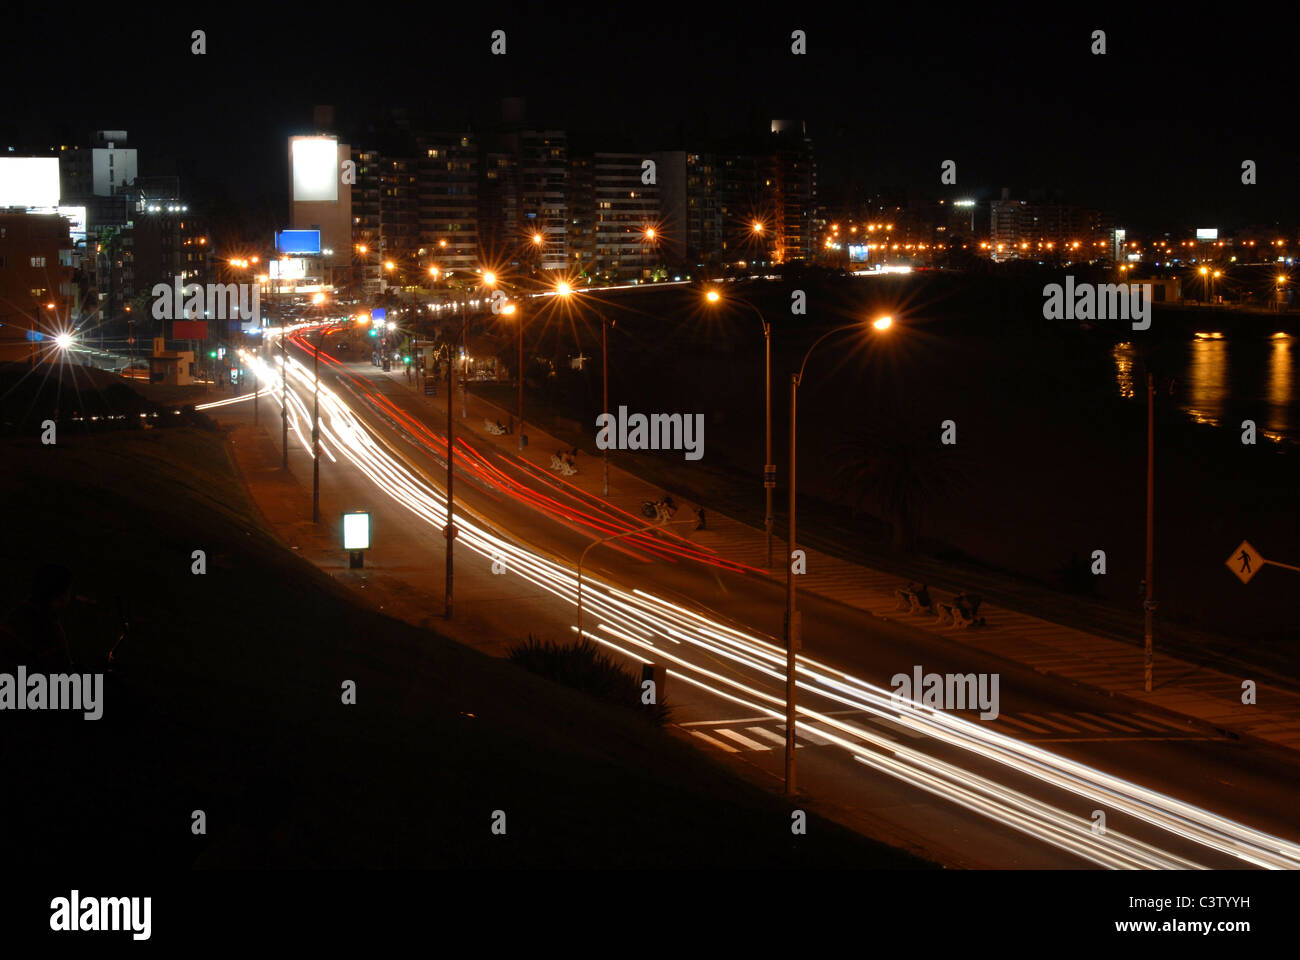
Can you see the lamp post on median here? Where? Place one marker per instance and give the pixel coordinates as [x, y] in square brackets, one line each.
[1148, 603]
[769, 468]
[793, 641]
[318, 299]
[604, 390]
[450, 530]
[284, 396]
[565, 290]
[509, 309]
[257, 386]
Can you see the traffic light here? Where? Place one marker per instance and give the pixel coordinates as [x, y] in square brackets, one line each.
[374, 333]
[212, 353]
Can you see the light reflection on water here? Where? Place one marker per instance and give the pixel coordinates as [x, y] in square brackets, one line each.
[1207, 380]
[1280, 363]
[1124, 355]
[1264, 378]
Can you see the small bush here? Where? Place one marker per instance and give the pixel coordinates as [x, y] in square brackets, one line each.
[584, 667]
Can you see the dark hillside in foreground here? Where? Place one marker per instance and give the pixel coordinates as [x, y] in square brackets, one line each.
[228, 701]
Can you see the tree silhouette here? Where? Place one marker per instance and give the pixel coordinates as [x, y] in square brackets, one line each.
[901, 468]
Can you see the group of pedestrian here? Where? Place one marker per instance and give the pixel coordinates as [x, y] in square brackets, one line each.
[921, 592]
[968, 604]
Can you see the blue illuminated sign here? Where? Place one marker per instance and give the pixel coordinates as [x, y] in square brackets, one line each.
[298, 241]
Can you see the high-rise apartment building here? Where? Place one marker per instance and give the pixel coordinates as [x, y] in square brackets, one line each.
[626, 209]
[792, 181]
[447, 189]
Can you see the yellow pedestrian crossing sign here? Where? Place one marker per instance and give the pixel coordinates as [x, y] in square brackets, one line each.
[1245, 561]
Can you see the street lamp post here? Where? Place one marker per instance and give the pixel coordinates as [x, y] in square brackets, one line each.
[769, 468]
[604, 387]
[793, 640]
[563, 289]
[315, 434]
[1148, 604]
[284, 395]
[257, 386]
[510, 308]
[450, 530]
[315, 421]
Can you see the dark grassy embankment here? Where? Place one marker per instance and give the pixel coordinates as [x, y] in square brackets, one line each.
[228, 700]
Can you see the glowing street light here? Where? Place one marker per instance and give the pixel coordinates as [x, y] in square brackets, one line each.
[563, 289]
[769, 468]
[792, 639]
[449, 531]
[63, 341]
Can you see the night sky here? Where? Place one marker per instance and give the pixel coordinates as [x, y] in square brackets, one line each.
[1155, 130]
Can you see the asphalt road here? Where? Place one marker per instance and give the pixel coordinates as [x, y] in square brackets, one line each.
[959, 795]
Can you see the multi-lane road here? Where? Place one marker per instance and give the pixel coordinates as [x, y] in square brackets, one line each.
[1022, 790]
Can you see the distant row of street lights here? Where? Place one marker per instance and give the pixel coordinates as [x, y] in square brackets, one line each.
[488, 279]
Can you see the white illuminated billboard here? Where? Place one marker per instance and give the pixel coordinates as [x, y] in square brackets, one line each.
[315, 169]
[356, 531]
[1207, 233]
[294, 268]
[29, 182]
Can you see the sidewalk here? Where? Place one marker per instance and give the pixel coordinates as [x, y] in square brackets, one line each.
[1189, 690]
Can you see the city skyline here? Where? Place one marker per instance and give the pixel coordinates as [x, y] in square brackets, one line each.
[645, 439]
[886, 135]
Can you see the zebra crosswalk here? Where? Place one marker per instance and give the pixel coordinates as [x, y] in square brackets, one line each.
[1080, 725]
[753, 734]
[764, 733]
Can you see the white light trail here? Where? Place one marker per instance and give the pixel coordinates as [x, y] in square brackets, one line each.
[634, 617]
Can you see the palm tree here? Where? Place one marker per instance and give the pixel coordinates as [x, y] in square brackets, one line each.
[901, 468]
